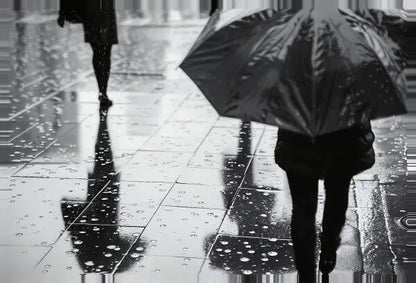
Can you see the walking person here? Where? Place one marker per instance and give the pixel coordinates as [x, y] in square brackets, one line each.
[98, 18]
[321, 80]
[335, 158]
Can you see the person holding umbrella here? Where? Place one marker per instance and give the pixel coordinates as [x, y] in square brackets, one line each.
[321, 75]
[335, 158]
[98, 18]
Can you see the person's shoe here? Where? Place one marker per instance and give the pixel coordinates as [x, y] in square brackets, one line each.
[105, 102]
[307, 276]
[328, 256]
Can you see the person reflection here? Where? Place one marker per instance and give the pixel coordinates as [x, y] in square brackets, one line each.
[252, 220]
[248, 219]
[235, 168]
[99, 248]
[21, 64]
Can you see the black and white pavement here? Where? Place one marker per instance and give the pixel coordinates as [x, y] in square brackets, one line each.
[172, 192]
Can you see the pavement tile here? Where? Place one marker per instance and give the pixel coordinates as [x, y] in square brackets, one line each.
[24, 257]
[216, 197]
[211, 177]
[155, 166]
[193, 237]
[125, 204]
[232, 141]
[264, 173]
[159, 269]
[267, 143]
[87, 252]
[220, 161]
[249, 256]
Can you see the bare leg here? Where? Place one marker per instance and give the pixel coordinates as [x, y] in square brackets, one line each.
[102, 66]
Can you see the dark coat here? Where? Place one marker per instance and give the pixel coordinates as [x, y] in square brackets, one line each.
[99, 21]
[349, 151]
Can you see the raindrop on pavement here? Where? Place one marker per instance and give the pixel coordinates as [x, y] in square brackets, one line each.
[135, 255]
[247, 272]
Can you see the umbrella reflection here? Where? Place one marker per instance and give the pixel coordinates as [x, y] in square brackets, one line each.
[241, 257]
[242, 214]
[237, 166]
[20, 52]
[99, 248]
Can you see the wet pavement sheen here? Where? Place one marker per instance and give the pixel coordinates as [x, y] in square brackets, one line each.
[159, 188]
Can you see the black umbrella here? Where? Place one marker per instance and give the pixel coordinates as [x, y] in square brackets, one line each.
[312, 72]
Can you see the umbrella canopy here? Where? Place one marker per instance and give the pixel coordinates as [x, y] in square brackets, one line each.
[312, 72]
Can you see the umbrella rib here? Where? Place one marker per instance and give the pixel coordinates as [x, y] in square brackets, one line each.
[316, 63]
[369, 45]
[261, 41]
[295, 26]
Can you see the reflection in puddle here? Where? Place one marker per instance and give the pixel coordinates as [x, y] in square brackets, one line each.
[100, 248]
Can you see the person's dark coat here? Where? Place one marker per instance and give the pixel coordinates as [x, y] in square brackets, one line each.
[349, 151]
[99, 21]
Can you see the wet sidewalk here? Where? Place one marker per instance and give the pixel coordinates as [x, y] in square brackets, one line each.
[161, 189]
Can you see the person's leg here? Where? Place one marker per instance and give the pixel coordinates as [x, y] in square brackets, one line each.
[214, 6]
[304, 191]
[336, 204]
[102, 66]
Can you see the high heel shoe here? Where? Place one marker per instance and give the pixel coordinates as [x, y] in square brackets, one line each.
[105, 102]
[328, 256]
